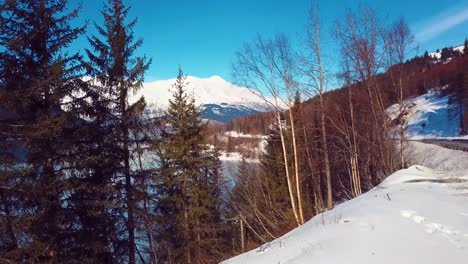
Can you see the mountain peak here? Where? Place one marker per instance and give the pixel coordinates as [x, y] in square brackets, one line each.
[213, 90]
[217, 97]
[217, 78]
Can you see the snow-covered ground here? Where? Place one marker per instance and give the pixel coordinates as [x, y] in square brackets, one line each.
[429, 116]
[417, 215]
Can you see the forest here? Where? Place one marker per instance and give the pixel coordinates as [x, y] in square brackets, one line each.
[88, 177]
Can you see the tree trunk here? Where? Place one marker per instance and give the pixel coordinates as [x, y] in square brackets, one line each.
[296, 161]
[127, 174]
[128, 188]
[242, 234]
[149, 232]
[286, 166]
[318, 54]
[186, 234]
[354, 154]
[186, 221]
[326, 158]
[402, 126]
[318, 198]
[198, 239]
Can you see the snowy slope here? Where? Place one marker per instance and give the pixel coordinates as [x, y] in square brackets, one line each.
[221, 101]
[428, 116]
[417, 215]
[436, 157]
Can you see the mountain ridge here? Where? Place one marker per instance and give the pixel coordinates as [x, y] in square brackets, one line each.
[219, 99]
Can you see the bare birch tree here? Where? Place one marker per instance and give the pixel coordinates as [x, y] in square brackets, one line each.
[262, 67]
[399, 44]
[315, 72]
[352, 135]
[285, 68]
[361, 43]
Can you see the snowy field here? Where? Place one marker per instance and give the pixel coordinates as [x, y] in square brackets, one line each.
[417, 215]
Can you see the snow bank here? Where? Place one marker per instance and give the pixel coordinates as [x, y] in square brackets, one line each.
[435, 157]
[417, 215]
[413, 173]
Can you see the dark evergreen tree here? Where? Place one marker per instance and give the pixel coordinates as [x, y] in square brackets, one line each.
[464, 103]
[426, 55]
[95, 198]
[261, 190]
[465, 49]
[306, 164]
[272, 173]
[458, 99]
[445, 54]
[230, 145]
[36, 76]
[238, 202]
[188, 186]
[118, 72]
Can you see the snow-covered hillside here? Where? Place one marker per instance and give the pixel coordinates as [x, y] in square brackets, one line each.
[221, 101]
[428, 116]
[438, 54]
[417, 215]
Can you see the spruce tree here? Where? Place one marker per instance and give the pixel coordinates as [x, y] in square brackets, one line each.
[95, 198]
[36, 76]
[426, 55]
[237, 200]
[305, 159]
[272, 173]
[118, 73]
[465, 45]
[188, 185]
[264, 193]
[464, 103]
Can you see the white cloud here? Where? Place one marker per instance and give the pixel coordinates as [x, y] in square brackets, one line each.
[442, 22]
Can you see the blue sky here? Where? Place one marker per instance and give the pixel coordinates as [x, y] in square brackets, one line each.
[202, 35]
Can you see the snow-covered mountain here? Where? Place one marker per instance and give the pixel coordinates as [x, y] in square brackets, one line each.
[220, 100]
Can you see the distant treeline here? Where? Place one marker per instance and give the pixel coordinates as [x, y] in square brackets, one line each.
[424, 73]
